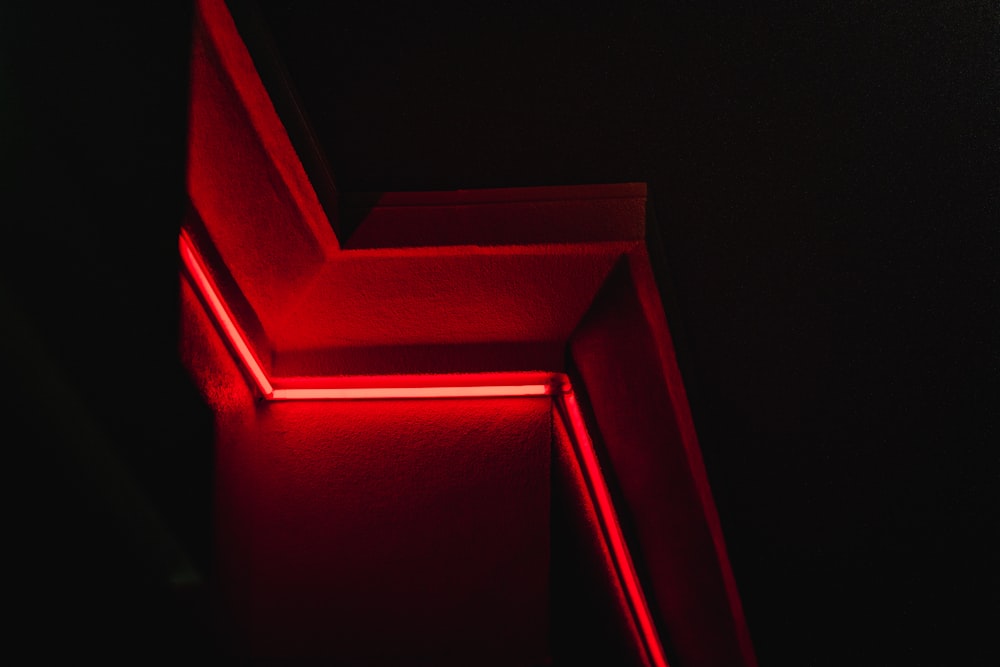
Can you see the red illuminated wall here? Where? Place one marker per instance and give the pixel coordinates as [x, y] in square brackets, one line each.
[439, 531]
[378, 530]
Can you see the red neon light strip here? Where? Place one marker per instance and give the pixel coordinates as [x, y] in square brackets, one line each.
[342, 393]
[206, 287]
[612, 527]
[449, 386]
[441, 386]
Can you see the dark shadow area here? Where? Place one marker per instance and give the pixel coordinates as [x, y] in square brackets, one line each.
[108, 445]
[354, 208]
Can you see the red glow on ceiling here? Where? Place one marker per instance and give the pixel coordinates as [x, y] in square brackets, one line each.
[478, 385]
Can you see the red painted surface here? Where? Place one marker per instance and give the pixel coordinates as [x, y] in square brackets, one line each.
[380, 530]
[367, 311]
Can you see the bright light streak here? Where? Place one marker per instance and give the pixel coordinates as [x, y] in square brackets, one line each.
[611, 526]
[349, 393]
[206, 288]
[334, 388]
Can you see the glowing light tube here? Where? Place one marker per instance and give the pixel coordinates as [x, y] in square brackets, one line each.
[497, 385]
[357, 393]
[556, 385]
[569, 410]
[206, 287]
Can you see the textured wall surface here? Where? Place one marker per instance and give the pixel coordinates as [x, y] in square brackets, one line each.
[365, 531]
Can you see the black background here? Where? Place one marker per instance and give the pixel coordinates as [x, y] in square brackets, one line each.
[824, 178]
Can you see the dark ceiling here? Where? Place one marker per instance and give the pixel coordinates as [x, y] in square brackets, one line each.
[824, 178]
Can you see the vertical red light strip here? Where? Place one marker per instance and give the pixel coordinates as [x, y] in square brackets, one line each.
[207, 289]
[629, 580]
[559, 389]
